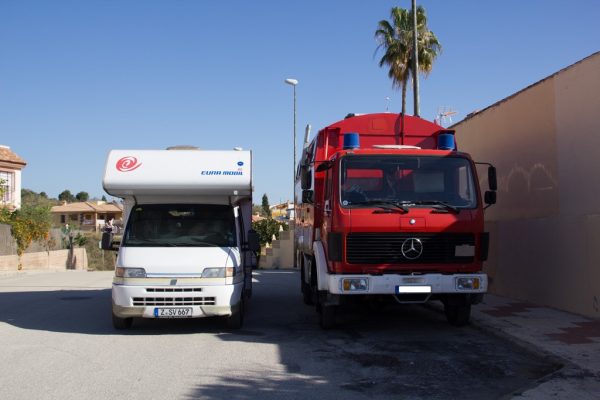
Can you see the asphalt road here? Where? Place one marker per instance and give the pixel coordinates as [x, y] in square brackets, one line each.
[57, 342]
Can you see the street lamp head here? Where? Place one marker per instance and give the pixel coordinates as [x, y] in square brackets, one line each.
[292, 82]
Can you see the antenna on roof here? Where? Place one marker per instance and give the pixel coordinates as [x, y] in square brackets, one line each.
[444, 115]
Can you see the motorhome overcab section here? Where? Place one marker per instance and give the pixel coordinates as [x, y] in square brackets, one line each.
[187, 250]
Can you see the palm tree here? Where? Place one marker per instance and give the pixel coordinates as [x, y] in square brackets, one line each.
[396, 38]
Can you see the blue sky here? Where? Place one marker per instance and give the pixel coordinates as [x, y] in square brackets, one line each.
[78, 78]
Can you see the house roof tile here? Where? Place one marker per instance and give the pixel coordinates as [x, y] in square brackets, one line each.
[88, 206]
[7, 156]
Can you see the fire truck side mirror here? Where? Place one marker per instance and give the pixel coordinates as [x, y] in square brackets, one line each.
[490, 197]
[324, 166]
[493, 183]
[308, 196]
[305, 177]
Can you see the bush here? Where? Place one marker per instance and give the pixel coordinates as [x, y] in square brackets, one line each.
[28, 224]
[266, 228]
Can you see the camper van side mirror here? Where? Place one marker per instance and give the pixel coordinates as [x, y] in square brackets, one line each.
[305, 177]
[492, 178]
[107, 241]
[253, 240]
[308, 196]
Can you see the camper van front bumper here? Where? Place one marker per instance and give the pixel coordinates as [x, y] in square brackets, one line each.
[179, 301]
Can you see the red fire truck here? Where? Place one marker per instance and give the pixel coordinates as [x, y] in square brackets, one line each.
[390, 210]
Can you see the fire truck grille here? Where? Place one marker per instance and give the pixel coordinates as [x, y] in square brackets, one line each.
[386, 248]
[173, 301]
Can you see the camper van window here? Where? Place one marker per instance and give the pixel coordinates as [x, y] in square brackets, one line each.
[185, 225]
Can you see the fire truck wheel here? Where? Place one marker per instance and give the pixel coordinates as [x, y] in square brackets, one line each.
[458, 314]
[121, 323]
[327, 317]
[307, 296]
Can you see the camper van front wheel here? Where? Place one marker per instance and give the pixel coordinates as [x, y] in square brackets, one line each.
[121, 323]
[236, 319]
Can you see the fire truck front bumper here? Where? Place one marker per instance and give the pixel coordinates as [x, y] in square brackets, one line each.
[408, 284]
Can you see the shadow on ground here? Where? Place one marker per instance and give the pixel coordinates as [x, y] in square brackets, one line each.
[400, 352]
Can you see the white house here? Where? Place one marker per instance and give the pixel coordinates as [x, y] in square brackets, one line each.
[10, 178]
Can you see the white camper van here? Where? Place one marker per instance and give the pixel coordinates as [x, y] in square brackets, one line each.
[187, 250]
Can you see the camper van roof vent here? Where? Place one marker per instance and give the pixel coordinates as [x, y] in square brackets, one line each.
[183, 147]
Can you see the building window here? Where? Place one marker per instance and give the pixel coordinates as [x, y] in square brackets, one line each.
[7, 182]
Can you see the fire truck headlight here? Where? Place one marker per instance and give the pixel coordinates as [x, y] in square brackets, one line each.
[355, 284]
[468, 283]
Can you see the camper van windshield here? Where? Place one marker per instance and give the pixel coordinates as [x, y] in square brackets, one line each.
[172, 225]
[407, 181]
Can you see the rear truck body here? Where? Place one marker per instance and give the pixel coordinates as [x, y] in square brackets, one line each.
[187, 250]
[390, 211]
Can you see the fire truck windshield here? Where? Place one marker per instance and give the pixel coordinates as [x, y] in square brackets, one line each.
[445, 182]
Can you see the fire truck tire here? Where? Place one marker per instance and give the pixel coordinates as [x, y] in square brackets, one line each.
[121, 323]
[307, 295]
[327, 316]
[458, 314]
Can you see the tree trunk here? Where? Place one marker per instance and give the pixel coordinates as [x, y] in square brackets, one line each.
[403, 112]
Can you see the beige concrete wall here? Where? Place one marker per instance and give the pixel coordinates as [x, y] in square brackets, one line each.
[545, 142]
[52, 260]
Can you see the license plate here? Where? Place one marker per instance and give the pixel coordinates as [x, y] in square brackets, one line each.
[172, 312]
[413, 289]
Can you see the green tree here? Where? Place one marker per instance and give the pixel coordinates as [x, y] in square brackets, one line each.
[104, 198]
[82, 196]
[256, 209]
[265, 205]
[27, 224]
[395, 38]
[266, 228]
[29, 198]
[66, 195]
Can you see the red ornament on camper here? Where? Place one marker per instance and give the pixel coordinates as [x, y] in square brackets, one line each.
[127, 164]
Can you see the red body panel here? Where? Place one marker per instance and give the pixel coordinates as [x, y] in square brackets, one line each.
[327, 214]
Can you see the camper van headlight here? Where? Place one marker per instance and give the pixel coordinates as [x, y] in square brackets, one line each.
[219, 272]
[213, 272]
[121, 272]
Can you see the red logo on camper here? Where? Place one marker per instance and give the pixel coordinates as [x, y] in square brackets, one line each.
[127, 164]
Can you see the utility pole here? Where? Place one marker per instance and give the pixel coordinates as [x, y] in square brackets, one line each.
[415, 60]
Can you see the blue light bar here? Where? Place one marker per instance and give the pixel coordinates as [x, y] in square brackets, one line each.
[351, 140]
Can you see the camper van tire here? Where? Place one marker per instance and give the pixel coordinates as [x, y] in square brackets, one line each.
[121, 323]
[236, 319]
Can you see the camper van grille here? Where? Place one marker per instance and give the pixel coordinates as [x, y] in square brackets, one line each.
[386, 248]
[174, 301]
[173, 289]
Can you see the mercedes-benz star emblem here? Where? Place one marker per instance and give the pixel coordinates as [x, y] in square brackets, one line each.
[412, 248]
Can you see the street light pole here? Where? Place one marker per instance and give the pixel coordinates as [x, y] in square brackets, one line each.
[294, 82]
